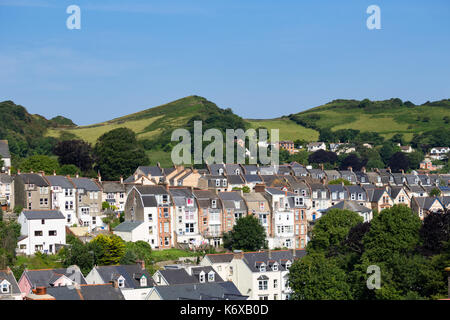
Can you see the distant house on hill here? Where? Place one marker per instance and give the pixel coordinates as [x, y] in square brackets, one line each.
[316, 146]
[5, 156]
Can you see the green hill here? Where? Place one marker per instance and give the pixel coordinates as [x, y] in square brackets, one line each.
[386, 117]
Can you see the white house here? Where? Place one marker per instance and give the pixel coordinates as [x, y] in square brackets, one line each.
[263, 275]
[64, 198]
[186, 224]
[41, 231]
[316, 146]
[439, 153]
[6, 190]
[133, 280]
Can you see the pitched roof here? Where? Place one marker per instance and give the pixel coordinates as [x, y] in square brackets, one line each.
[60, 181]
[128, 226]
[153, 171]
[281, 257]
[5, 178]
[112, 186]
[86, 184]
[130, 272]
[33, 178]
[349, 205]
[86, 292]
[200, 291]
[42, 214]
[46, 277]
[220, 257]
[9, 276]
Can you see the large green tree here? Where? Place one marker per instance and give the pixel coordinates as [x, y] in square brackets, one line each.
[39, 163]
[75, 152]
[247, 234]
[119, 153]
[331, 229]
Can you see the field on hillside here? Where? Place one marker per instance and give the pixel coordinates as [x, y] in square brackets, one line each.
[289, 130]
[386, 121]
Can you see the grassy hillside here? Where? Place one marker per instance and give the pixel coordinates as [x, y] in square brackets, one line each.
[386, 117]
[289, 130]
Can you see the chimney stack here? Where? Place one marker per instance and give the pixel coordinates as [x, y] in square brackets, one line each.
[99, 176]
[40, 291]
[54, 172]
[270, 254]
[121, 180]
[141, 263]
[238, 254]
[77, 175]
[114, 283]
[350, 169]
[363, 169]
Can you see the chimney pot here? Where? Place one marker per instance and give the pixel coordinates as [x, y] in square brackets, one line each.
[238, 254]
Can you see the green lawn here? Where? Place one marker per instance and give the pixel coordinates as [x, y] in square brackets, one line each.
[39, 261]
[172, 254]
[289, 130]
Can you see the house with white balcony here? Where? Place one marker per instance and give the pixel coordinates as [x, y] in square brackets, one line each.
[63, 198]
[41, 231]
[439, 153]
[316, 146]
[210, 213]
[186, 224]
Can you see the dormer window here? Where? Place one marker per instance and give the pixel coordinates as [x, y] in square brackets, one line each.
[237, 204]
[190, 202]
[211, 276]
[220, 171]
[217, 182]
[224, 182]
[288, 265]
[262, 268]
[121, 282]
[143, 281]
[5, 285]
[238, 171]
[275, 267]
[201, 277]
[214, 203]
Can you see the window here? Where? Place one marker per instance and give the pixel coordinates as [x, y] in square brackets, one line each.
[237, 204]
[353, 196]
[166, 227]
[217, 182]
[224, 182]
[43, 202]
[5, 287]
[303, 215]
[166, 241]
[288, 265]
[261, 206]
[38, 233]
[94, 220]
[165, 198]
[143, 281]
[275, 283]
[121, 283]
[190, 202]
[150, 217]
[189, 228]
[262, 284]
[150, 230]
[275, 268]
[262, 268]
[85, 211]
[42, 221]
[52, 233]
[166, 212]
[334, 196]
[275, 297]
[298, 201]
[211, 276]
[263, 297]
[214, 204]
[201, 277]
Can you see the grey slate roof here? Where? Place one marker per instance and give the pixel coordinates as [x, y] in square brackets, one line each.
[42, 214]
[131, 273]
[112, 186]
[87, 292]
[252, 178]
[5, 178]
[153, 171]
[33, 178]
[200, 291]
[128, 226]
[86, 184]
[349, 205]
[151, 190]
[46, 277]
[9, 276]
[252, 259]
[220, 257]
[4, 149]
[60, 181]
[230, 198]
[235, 179]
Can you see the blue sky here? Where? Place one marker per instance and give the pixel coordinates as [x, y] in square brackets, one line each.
[261, 58]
